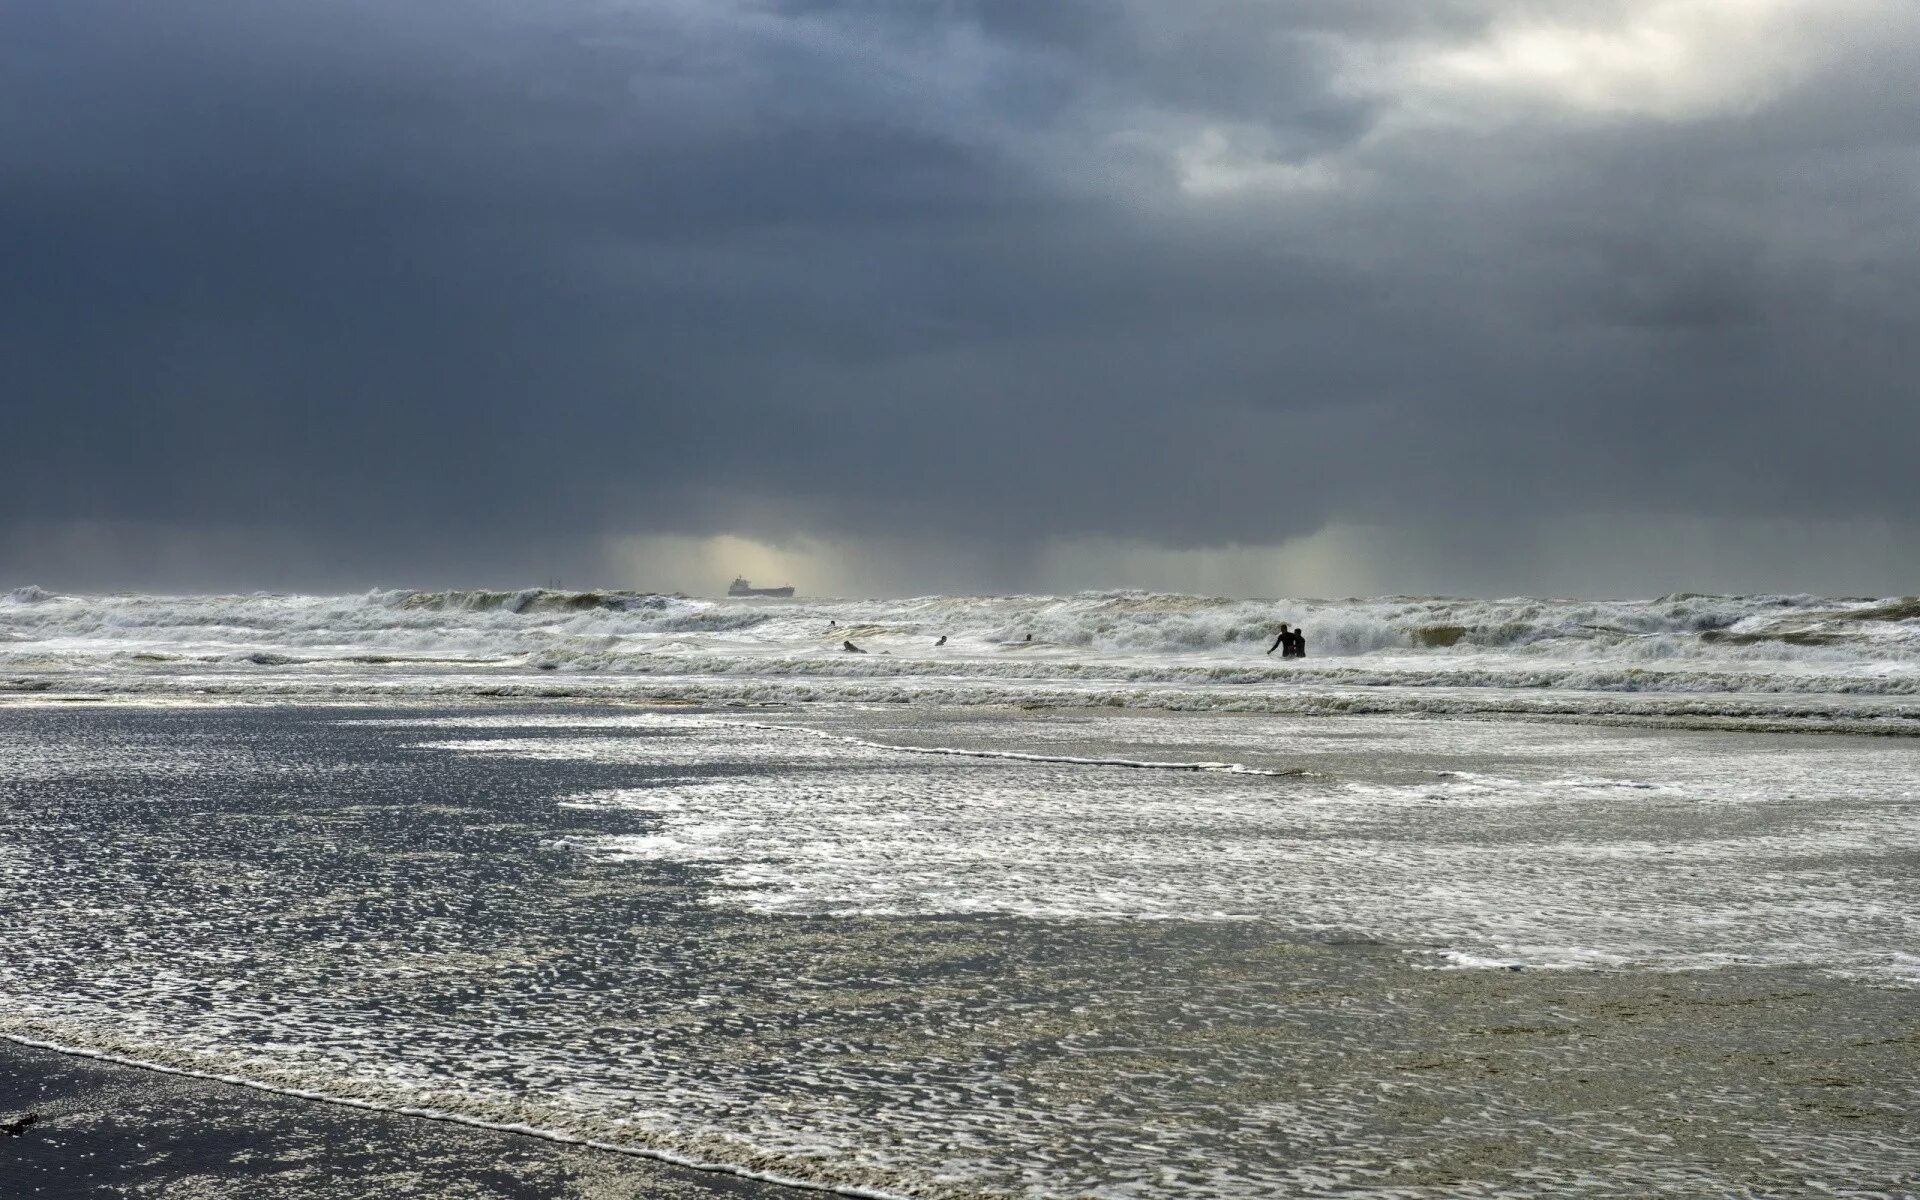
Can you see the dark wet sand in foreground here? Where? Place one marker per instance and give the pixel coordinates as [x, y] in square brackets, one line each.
[111, 1130]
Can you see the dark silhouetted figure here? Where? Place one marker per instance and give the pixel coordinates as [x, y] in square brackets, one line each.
[1029, 637]
[850, 648]
[831, 623]
[1299, 644]
[1284, 639]
[942, 641]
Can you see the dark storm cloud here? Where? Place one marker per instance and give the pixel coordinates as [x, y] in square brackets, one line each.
[464, 288]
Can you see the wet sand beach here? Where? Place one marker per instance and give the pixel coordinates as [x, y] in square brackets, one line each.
[957, 955]
[104, 1129]
[1422, 1083]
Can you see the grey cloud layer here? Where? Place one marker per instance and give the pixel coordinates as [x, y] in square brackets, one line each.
[504, 278]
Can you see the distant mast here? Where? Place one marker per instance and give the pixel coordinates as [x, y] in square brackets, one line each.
[740, 587]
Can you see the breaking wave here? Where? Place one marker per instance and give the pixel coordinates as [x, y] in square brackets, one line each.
[1125, 647]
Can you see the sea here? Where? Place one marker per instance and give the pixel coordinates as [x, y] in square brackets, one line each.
[1094, 898]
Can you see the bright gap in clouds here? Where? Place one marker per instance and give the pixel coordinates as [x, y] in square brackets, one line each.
[1624, 555]
[1663, 59]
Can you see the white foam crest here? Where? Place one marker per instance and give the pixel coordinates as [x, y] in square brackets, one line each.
[1858, 712]
[1125, 621]
[1125, 648]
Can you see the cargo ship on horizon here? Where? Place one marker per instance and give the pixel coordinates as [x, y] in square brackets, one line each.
[740, 587]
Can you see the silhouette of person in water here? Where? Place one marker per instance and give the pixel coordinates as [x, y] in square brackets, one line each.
[1291, 643]
[1029, 637]
[850, 648]
[942, 641]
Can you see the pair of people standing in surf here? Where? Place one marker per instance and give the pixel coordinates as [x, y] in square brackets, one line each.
[1291, 643]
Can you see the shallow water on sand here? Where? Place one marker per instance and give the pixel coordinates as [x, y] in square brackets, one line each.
[842, 960]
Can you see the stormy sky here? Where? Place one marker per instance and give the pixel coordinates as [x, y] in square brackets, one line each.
[1249, 296]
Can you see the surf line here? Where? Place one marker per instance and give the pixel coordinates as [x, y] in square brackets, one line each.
[453, 1118]
[1225, 768]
